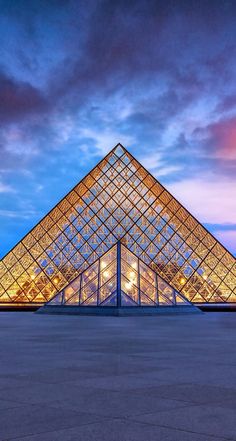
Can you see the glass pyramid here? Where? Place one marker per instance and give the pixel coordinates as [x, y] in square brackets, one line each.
[118, 199]
[118, 278]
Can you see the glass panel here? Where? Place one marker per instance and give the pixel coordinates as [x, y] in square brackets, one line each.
[128, 287]
[72, 289]
[107, 289]
[88, 290]
[108, 272]
[145, 300]
[147, 273]
[165, 291]
[107, 258]
[148, 289]
[91, 300]
[110, 300]
[74, 300]
[164, 301]
[57, 300]
[90, 274]
[129, 272]
[180, 300]
[129, 258]
[126, 300]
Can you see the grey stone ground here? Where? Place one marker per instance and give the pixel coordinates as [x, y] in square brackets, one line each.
[167, 378]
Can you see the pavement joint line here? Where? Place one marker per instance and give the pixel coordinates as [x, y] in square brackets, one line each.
[120, 419]
[56, 430]
[129, 417]
[182, 430]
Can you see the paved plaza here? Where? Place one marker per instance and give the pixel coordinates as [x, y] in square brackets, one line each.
[72, 378]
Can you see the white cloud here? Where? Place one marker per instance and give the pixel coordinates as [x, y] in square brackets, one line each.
[154, 163]
[151, 161]
[18, 214]
[227, 238]
[209, 198]
[105, 140]
[5, 188]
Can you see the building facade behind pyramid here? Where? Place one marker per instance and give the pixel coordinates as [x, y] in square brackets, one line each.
[118, 201]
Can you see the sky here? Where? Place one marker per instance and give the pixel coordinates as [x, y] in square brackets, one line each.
[78, 77]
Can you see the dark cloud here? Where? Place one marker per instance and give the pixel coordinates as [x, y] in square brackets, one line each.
[108, 46]
[227, 103]
[19, 99]
[219, 139]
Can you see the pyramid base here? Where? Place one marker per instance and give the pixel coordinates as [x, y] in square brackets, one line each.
[115, 311]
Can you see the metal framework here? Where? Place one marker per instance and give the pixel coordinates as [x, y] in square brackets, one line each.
[118, 278]
[118, 199]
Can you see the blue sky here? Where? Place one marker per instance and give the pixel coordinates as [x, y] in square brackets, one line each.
[77, 77]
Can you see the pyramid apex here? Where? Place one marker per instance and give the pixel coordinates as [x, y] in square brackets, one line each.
[119, 149]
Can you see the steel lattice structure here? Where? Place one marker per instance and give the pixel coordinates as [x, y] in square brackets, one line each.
[118, 200]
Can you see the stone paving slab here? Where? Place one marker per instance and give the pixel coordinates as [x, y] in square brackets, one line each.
[167, 378]
[210, 420]
[95, 401]
[119, 430]
[192, 393]
[30, 419]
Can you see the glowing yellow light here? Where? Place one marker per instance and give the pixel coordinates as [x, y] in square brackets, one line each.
[134, 265]
[182, 280]
[55, 280]
[32, 276]
[103, 265]
[132, 276]
[204, 276]
[128, 285]
[106, 274]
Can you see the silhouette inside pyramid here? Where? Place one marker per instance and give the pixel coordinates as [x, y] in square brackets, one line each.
[118, 199]
[118, 278]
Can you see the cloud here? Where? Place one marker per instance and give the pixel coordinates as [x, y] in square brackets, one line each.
[19, 99]
[219, 139]
[5, 188]
[228, 103]
[157, 165]
[208, 198]
[104, 140]
[227, 238]
[15, 214]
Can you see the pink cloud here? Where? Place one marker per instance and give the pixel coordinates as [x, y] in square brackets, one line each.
[208, 198]
[224, 134]
[227, 238]
[220, 139]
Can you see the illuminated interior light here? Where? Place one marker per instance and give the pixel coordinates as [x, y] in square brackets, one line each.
[32, 277]
[128, 285]
[132, 275]
[55, 280]
[182, 280]
[103, 265]
[106, 274]
[134, 265]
